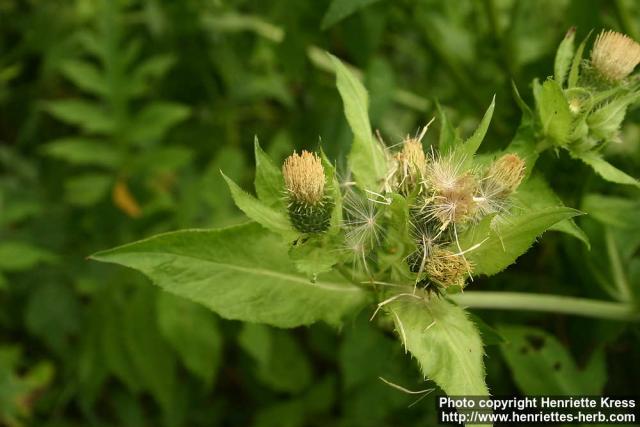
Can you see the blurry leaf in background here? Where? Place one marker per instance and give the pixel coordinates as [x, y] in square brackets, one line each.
[88, 189]
[611, 210]
[20, 256]
[83, 151]
[88, 115]
[301, 411]
[340, 9]
[281, 363]
[193, 332]
[53, 315]
[19, 389]
[541, 365]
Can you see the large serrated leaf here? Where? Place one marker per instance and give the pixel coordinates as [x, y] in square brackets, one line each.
[536, 193]
[498, 244]
[445, 342]
[367, 159]
[241, 273]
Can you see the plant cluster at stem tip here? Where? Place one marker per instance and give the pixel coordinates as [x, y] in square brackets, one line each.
[445, 195]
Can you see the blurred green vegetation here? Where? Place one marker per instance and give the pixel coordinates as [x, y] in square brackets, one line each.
[115, 120]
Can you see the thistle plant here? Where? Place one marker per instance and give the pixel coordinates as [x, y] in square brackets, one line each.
[404, 236]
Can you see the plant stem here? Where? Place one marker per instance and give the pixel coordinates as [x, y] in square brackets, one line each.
[548, 303]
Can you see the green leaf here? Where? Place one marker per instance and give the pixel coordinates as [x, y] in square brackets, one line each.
[445, 342]
[367, 159]
[152, 68]
[605, 122]
[17, 387]
[315, 254]
[282, 364]
[21, 256]
[88, 189]
[332, 189]
[155, 120]
[340, 9]
[472, 144]
[241, 273]
[82, 151]
[502, 240]
[574, 73]
[564, 56]
[193, 333]
[541, 365]
[268, 217]
[86, 76]
[536, 194]
[150, 355]
[605, 169]
[448, 138]
[89, 116]
[617, 212]
[268, 182]
[553, 111]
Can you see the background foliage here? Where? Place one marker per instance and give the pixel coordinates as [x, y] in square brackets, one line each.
[115, 119]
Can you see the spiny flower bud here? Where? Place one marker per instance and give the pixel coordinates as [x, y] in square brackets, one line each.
[309, 209]
[447, 268]
[506, 174]
[614, 55]
[411, 164]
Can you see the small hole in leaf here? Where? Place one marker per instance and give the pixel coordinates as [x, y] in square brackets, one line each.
[536, 342]
[557, 366]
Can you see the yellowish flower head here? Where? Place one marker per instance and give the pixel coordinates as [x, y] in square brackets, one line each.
[304, 177]
[614, 55]
[447, 268]
[507, 173]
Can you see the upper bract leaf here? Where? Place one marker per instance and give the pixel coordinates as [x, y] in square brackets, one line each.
[269, 182]
[367, 159]
[241, 273]
[473, 143]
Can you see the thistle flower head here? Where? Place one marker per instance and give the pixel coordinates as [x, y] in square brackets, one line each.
[447, 268]
[507, 173]
[304, 177]
[500, 181]
[614, 55]
[411, 164]
[408, 166]
[451, 190]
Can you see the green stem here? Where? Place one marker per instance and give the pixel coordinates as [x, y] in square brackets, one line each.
[548, 303]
